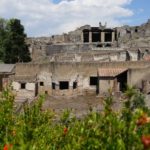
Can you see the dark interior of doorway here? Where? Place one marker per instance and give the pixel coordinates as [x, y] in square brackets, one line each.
[108, 37]
[122, 79]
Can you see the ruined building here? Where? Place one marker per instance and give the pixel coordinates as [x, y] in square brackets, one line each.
[87, 60]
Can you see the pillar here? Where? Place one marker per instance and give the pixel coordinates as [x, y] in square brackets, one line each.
[90, 37]
[115, 86]
[102, 37]
[113, 36]
[82, 37]
[145, 86]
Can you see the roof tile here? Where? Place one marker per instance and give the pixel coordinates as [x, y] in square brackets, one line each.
[110, 72]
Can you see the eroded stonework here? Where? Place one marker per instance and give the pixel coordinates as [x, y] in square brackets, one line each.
[87, 60]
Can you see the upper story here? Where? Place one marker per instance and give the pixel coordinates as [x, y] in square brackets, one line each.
[88, 38]
[102, 35]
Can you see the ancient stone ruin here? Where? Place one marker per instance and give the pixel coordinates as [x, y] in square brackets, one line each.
[87, 60]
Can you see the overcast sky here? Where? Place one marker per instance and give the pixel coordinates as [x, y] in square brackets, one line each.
[48, 17]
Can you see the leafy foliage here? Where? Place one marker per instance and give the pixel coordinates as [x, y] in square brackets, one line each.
[2, 36]
[36, 129]
[12, 40]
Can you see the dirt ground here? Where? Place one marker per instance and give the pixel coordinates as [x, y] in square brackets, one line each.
[79, 105]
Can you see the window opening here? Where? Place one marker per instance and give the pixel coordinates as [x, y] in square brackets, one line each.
[23, 85]
[74, 85]
[63, 85]
[108, 37]
[93, 81]
[53, 85]
[41, 83]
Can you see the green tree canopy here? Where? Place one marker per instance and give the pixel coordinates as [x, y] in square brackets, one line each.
[3, 23]
[14, 46]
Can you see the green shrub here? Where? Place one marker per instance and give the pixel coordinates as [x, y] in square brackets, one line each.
[36, 129]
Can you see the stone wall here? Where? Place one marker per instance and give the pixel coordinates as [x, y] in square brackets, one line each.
[29, 92]
[137, 75]
[67, 68]
[105, 84]
[137, 36]
[77, 72]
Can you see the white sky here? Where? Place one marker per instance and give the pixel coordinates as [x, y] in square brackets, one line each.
[44, 17]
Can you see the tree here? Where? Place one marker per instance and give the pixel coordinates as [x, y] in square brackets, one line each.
[15, 48]
[3, 23]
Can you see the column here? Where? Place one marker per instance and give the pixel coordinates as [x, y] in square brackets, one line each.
[145, 86]
[115, 86]
[90, 37]
[102, 37]
[82, 37]
[113, 36]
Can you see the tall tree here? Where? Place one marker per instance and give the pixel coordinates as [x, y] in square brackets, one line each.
[15, 48]
[3, 23]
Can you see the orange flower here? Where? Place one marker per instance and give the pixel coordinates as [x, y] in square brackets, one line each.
[7, 146]
[143, 120]
[146, 141]
[65, 130]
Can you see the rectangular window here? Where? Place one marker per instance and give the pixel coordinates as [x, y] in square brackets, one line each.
[108, 37]
[63, 85]
[96, 37]
[41, 83]
[74, 85]
[23, 85]
[86, 36]
[53, 85]
[93, 81]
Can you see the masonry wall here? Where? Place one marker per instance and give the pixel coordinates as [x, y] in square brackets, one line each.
[136, 76]
[105, 84]
[29, 92]
[1, 83]
[4, 81]
[80, 72]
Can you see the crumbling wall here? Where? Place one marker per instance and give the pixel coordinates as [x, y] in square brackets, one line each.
[28, 92]
[105, 83]
[137, 36]
[137, 75]
[46, 78]
[80, 72]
